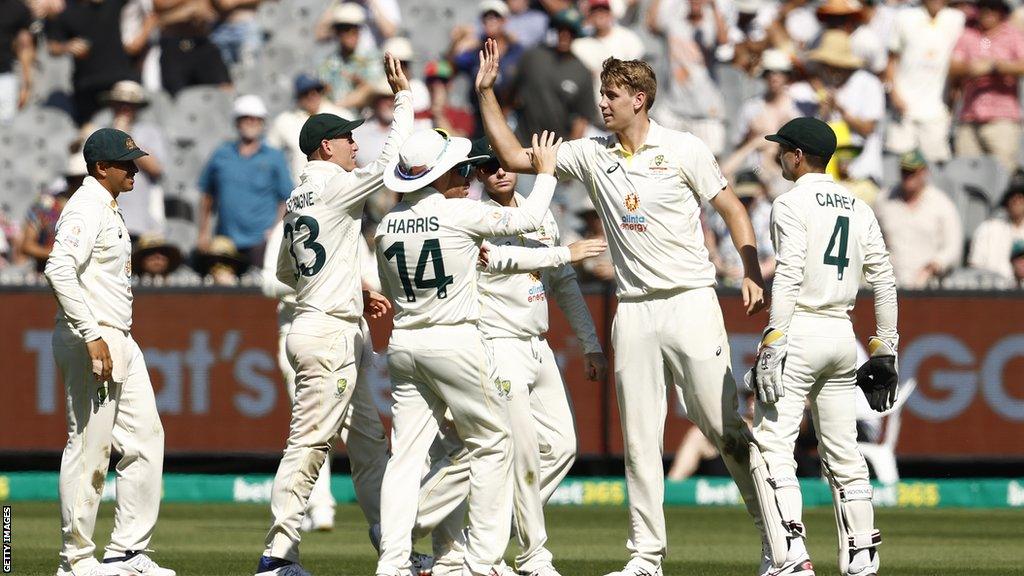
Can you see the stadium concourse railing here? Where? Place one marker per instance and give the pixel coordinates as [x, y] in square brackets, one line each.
[212, 355]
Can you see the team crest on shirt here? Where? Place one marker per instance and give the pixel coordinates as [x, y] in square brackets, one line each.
[342, 385]
[658, 164]
[504, 387]
[633, 222]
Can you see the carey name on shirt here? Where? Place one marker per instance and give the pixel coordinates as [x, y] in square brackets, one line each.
[835, 201]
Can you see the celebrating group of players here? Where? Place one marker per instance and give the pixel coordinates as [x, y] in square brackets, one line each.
[483, 429]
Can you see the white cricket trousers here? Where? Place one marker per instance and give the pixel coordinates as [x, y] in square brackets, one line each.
[544, 437]
[101, 415]
[325, 353]
[362, 432]
[821, 364]
[434, 369]
[678, 338]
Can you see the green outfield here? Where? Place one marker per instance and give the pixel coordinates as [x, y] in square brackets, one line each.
[226, 539]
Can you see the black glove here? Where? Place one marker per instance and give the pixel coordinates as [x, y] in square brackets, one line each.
[879, 381]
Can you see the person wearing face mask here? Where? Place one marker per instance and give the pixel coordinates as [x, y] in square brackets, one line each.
[427, 249]
[246, 182]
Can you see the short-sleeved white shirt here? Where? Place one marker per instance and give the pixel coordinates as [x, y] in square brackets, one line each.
[650, 204]
[925, 45]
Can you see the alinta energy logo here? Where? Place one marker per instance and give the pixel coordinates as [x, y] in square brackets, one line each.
[633, 222]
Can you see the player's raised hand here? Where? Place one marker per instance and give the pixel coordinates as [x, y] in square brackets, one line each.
[544, 152]
[583, 249]
[488, 73]
[102, 365]
[395, 74]
[595, 366]
[375, 305]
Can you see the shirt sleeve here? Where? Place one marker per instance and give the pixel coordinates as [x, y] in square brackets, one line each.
[571, 159]
[486, 221]
[352, 187]
[284, 176]
[207, 178]
[519, 259]
[564, 286]
[700, 169]
[285, 265]
[879, 275]
[789, 235]
[960, 50]
[77, 230]
[271, 286]
[981, 247]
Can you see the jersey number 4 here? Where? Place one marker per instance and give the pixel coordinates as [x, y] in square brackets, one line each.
[310, 243]
[430, 253]
[841, 233]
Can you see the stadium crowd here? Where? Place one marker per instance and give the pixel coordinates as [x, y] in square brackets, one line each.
[925, 99]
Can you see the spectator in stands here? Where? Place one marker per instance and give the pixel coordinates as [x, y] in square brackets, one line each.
[851, 98]
[348, 73]
[40, 225]
[994, 238]
[753, 194]
[456, 121]
[140, 30]
[845, 155]
[465, 45]
[693, 30]
[284, 132]
[144, 208]
[609, 39]
[849, 16]
[400, 47]
[16, 44]
[1017, 261]
[988, 62]
[222, 264]
[155, 260]
[920, 49]
[91, 33]
[382, 19]
[553, 90]
[246, 182]
[921, 226]
[187, 56]
[525, 24]
[237, 34]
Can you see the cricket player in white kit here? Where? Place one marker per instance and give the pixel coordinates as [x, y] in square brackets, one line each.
[826, 241]
[110, 401]
[319, 259]
[647, 183]
[427, 249]
[520, 272]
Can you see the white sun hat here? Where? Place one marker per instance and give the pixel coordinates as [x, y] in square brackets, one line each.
[423, 158]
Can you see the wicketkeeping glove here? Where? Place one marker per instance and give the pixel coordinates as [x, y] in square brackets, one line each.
[878, 377]
[766, 375]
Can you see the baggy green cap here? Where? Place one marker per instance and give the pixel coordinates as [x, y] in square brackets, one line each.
[320, 127]
[110, 145]
[811, 135]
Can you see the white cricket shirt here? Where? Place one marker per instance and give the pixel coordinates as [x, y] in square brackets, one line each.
[826, 241]
[522, 271]
[319, 256]
[649, 202]
[90, 267]
[925, 46]
[427, 249]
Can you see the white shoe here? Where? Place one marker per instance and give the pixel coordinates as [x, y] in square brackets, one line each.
[503, 569]
[548, 570]
[139, 565]
[421, 564]
[864, 563]
[638, 567]
[318, 520]
[286, 570]
[800, 567]
[93, 570]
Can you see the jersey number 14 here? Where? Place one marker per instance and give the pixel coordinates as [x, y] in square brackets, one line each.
[840, 236]
[430, 253]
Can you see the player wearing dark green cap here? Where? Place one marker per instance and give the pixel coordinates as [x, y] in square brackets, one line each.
[104, 372]
[327, 344]
[826, 241]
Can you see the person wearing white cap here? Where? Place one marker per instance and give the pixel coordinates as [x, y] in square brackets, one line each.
[350, 72]
[247, 181]
[319, 260]
[427, 249]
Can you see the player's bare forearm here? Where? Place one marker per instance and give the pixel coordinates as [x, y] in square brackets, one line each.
[742, 232]
[512, 156]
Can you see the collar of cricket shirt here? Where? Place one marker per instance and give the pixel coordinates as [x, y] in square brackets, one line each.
[417, 195]
[93, 189]
[655, 137]
[812, 177]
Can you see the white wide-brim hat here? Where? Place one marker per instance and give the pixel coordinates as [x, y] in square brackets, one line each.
[423, 158]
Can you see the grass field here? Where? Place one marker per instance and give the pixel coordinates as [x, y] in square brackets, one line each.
[226, 539]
